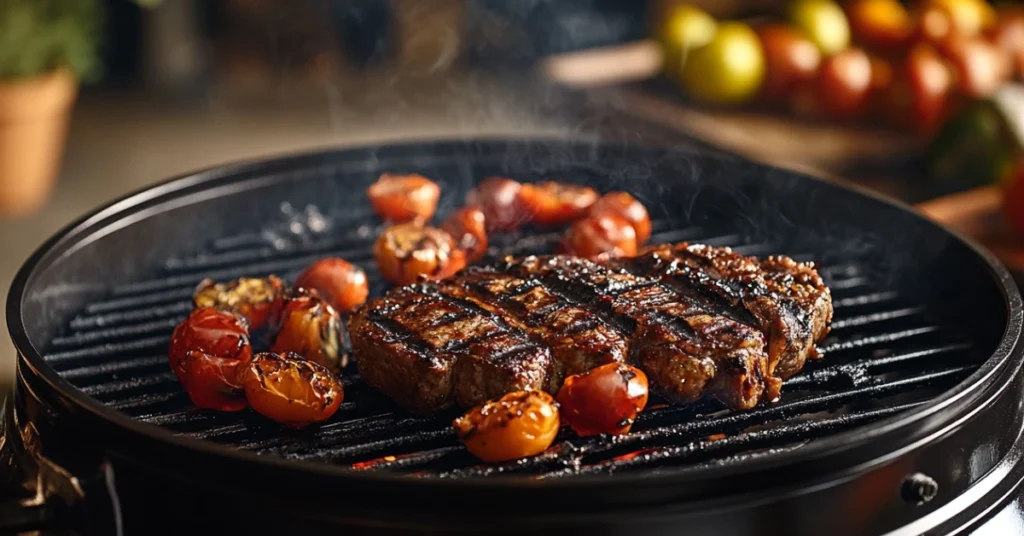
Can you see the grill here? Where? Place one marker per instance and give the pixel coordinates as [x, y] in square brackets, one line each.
[100, 301]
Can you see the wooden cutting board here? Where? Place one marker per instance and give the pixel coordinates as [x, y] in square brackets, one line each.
[978, 215]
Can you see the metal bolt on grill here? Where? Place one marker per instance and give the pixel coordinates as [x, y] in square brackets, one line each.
[886, 354]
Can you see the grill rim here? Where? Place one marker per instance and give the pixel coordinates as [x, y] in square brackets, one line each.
[898, 433]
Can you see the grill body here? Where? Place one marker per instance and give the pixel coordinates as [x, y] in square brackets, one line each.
[920, 389]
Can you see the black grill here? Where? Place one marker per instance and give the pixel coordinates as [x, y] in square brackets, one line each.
[887, 353]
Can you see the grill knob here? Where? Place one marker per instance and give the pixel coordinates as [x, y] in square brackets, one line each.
[919, 488]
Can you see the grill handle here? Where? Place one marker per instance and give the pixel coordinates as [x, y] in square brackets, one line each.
[36, 494]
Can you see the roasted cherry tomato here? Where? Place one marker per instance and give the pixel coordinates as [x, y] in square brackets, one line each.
[311, 328]
[342, 284]
[601, 236]
[291, 390]
[252, 298]
[407, 251]
[212, 382]
[555, 203]
[211, 331]
[881, 24]
[500, 202]
[791, 60]
[604, 400]
[844, 84]
[468, 228]
[625, 206]
[519, 424]
[402, 198]
[981, 67]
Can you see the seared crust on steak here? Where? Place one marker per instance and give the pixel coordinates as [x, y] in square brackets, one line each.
[699, 321]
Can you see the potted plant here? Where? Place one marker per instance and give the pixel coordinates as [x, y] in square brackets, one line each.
[46, 48]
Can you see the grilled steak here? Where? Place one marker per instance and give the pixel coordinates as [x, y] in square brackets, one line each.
[785, 299]
[699, 321]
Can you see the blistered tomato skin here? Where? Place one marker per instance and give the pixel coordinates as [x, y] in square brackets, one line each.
[500, 200]
[404, 198]
[290, 390]
[600, 237]
[468, 227]
[253, 298]
[625, 206]
[406, 252]
[604, 400]
[310, 327]
[519, 424]
[555, 203]
[211, 331]
[342, 284]
[213, 382]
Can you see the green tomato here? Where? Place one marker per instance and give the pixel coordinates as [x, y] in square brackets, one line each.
[684, 29]
[824, 22]
[727, 70]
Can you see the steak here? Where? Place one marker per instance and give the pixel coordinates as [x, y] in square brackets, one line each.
[699, 321]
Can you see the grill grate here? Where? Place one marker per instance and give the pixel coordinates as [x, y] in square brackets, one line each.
[886, 354]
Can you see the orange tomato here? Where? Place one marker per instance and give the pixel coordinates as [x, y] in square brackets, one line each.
[291, 390]
[406, 251]
[403, 198]
[625, 206]
[468, 227]
[555, 203]
[519, 424]
[600, 236]
[342, 284]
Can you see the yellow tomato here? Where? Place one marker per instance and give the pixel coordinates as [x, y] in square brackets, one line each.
[685, 28]
[727, 70]
[824, 23]
[969, 17]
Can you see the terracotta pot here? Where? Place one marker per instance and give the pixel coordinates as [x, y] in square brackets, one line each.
[33, 124]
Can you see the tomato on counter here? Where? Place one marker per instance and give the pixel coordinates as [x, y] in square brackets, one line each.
[883, 24]
[921, 94]
[981, 66]
[683, 29]
[1008, 35]
[824, 22]
[791, 60]
[844, 84]
[727, 70]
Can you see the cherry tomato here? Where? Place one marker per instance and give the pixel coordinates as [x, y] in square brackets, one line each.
[342, 284]
[601, 236]
[211, 331]
[555, 203]
[1008, 35]
[980, 66]
[921, 94]
[407, 251]
[290, 390]
[824, 22]
[401, 198]
[604, 400]
[253, 298]
[683, 28]
[519, 424]
[968, 17]
[844, 84]
[791, 59]
[727, 70]
[881, 24]
[625, 206]
[468, 228]
[933, 24]
[212, 381]
[311, 328]
[500, 202]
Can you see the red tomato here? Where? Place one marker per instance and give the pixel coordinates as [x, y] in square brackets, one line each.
[934, 25]
[880, 23]
[402, 198]
[791, 59]
[605, 400]
[500, 202]
[253, 298]
[1013, 198]
[407, 251]
[290, 390]
[555, 203]
[210, 331]
[311, 328]
[925, 90]
[342, 284]
[600, 236]
[468, 227]
[980, 66]
[625, 206]
[844, 84]
[212, 382]
[1008, 35]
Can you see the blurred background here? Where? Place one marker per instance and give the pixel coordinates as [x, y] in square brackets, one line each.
[917, 100]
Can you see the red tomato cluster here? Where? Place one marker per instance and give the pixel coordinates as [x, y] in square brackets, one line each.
[211, 351]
